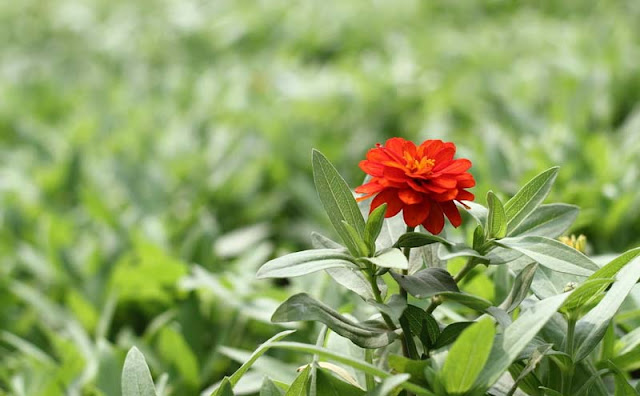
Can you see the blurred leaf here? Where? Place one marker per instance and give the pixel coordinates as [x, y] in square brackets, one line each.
[270, 389]
[388, 385]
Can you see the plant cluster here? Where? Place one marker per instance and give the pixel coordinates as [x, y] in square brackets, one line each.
[552, 334]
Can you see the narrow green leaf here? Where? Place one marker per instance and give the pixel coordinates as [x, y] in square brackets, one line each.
[356, 240]
[319, 241]
[450, 333]
[305, 262]
[529, 198]
[550, 220]
[387, 386]
[373, 226]
[520, 288]
[516, 337]
[302, 307]
[550, 392]
[255, 355]
[447, 252]
[478, 212]
[467, 356]
[592, 327]
[354, 280]
[552, 254]
[537, 356]
[427, 282]
[299, 385]
[584, 294]
[417, 239]
[351, 362]
[270, 389]
[497, 219]
[390, 258]
[225, 388]
[615, 265]
[394, 307]
[337, 199]
[136, 377]
[330, 385]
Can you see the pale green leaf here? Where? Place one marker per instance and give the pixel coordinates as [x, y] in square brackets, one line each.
[497, 219]
[390, 258]
[550, 220]
[305, 262]
[136, 377]
[427, 282]
[529, 198]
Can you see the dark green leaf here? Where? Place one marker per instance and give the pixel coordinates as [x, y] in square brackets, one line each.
[225, 388]
[415, 368]
[467, 357]
[529, 198]
[417, 239]
[450, 333]
[427, 282]
[302, 307]
[136, 377]
[520, 288]
[497, 219]
[305, 262]
[337, 199]
[355, 239]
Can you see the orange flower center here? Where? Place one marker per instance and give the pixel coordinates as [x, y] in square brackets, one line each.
[422, 165]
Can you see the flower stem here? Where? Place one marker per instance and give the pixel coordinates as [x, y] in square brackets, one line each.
[567, 377]
[376, 292]
[407, 254]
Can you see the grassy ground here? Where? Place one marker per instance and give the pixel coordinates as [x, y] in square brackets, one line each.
[140, 138]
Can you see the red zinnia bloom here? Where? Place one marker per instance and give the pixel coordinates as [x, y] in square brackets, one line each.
[422, 181]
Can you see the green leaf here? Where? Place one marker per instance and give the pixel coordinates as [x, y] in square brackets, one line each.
[319, 241]
[520, 288]
[355, 281]
[417, 239]
[302, 307]
[330, 385]
[299, 385]
[550, 220]
[478, 212]
[270, 389]
[584, 294]
[351, 362]
[415, 368]
[529, 198]
[394, 307]
[427, 282]
[305, 262]
[467, 356]
[374, 226]
[516, 337]
[550, 392]
[615, 265]
[225, 388]
[450, 333]
[390, 258]
[447, 252]
[389, 385]
[497, 219]
[337, 199]
[356, 240]
[552, 254]
[255, 355]
[136, 377]
[592, 327]
[537, 356]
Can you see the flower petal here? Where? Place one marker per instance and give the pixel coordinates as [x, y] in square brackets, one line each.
[390, 197]
[457, 166]
[435, 222]
[416, 214]
[451, 210]
[372, 168]
[444, 182]
[410, 197]
[464, 195]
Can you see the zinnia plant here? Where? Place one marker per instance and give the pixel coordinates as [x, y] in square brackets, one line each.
[421, 327]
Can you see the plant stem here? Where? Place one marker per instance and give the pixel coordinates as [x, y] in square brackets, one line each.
[568, 376]
[378, 296]
[436, 301]
[371, 383]
[407, 254]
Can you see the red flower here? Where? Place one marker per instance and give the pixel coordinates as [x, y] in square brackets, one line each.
[421, 181]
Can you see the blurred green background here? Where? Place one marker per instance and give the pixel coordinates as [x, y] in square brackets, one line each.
[153, 154]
